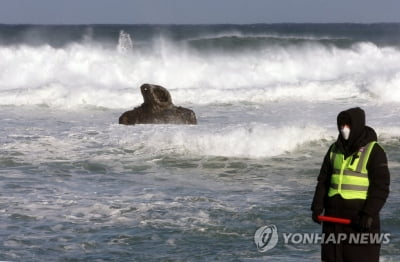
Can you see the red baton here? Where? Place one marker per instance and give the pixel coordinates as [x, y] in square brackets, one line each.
[337, 220]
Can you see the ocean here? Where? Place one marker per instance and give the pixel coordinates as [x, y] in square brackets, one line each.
[77, 186]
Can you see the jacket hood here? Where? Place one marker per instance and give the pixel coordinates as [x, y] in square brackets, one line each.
[360, 134]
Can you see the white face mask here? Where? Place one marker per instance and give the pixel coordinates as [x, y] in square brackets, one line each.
[345, 131]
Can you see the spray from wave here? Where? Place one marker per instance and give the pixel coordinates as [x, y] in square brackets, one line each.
[93, 74]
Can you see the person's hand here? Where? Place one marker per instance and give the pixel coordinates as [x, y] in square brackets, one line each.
[315, 214]
[364, 222]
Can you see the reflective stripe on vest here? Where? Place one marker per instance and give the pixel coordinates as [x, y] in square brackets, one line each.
[350, 175]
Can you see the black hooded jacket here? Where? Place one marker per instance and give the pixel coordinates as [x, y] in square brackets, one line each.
[378, 172]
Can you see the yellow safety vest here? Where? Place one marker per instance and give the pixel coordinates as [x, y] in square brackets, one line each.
[350, 175]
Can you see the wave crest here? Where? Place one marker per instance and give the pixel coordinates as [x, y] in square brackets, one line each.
[92, 74]
[250, 140]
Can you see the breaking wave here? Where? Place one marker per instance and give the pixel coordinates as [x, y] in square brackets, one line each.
[93, 74]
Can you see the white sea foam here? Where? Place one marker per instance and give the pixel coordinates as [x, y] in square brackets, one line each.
[235, 140]
[87, 74]
[254, 140]
[250, 140]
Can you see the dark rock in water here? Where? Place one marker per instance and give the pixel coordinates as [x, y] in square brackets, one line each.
[157, 109]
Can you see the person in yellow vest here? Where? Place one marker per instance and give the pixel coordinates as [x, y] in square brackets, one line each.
[353, 183]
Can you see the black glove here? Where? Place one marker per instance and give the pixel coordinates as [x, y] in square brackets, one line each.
[315, 215]
[364, 222]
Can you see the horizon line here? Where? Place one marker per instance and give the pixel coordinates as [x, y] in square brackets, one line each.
[200, 24]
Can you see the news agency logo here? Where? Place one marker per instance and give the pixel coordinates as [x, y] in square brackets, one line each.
[266, 238]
